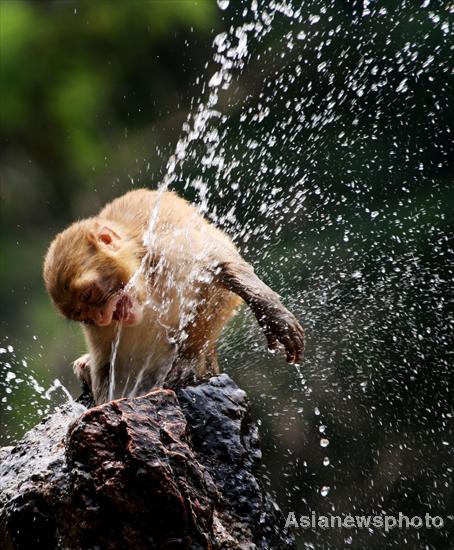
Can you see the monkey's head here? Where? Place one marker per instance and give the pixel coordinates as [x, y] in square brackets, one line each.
[86, 270]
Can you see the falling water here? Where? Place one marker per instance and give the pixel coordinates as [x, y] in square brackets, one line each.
[18, 376]
[333, 179]
[198, 130]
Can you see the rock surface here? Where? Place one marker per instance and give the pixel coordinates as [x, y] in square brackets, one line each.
[159, 471]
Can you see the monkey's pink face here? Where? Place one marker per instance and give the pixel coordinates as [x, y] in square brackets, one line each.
[102, 308]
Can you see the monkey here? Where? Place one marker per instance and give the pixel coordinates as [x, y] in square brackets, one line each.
[153, 283]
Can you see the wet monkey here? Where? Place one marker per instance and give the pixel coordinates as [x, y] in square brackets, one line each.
[156, 305]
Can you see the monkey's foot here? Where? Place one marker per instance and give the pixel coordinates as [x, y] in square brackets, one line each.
[81, 368]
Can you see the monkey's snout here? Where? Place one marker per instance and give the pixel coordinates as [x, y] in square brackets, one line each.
[122, 308]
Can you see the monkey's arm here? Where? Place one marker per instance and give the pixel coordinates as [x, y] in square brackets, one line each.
[276, 321]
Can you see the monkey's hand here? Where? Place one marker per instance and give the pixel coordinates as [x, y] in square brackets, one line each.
[279, 325]
[81, 368]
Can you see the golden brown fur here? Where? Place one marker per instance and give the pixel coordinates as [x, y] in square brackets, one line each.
[188, 279]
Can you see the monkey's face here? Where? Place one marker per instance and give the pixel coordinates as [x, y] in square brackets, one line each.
[86, 270]
[102, 302]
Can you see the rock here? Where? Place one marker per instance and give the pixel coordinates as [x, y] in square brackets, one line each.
[163, 470]
[227, 443]
[33, 482]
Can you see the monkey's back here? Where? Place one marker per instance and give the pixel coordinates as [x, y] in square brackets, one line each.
[135, 210]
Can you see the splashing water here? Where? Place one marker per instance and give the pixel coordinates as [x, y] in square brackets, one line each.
[339, 195]
[18, 377]
[321, 144]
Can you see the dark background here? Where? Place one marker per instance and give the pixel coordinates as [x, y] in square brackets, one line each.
[342, 199]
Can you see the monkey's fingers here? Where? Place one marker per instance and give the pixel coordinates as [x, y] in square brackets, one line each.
[271, 338]
[290, 348]
[294, 344]
[299, 344]
[299, 339]
[284, 328]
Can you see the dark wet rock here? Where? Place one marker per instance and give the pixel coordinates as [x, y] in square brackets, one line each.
[33, 482]
[159, 471]
[226, 442]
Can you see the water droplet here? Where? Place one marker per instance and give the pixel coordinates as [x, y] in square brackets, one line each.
[10, 376]
[402, 87]
[215, 80]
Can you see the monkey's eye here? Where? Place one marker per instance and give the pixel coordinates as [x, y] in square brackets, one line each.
[76, 314]
[87, 295]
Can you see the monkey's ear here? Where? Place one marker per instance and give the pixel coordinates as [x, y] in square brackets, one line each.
[107, 236]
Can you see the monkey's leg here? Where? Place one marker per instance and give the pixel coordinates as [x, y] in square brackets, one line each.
[211, 363]
[183, 372]
[100, 383]
[276, 321]
[192, 363]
